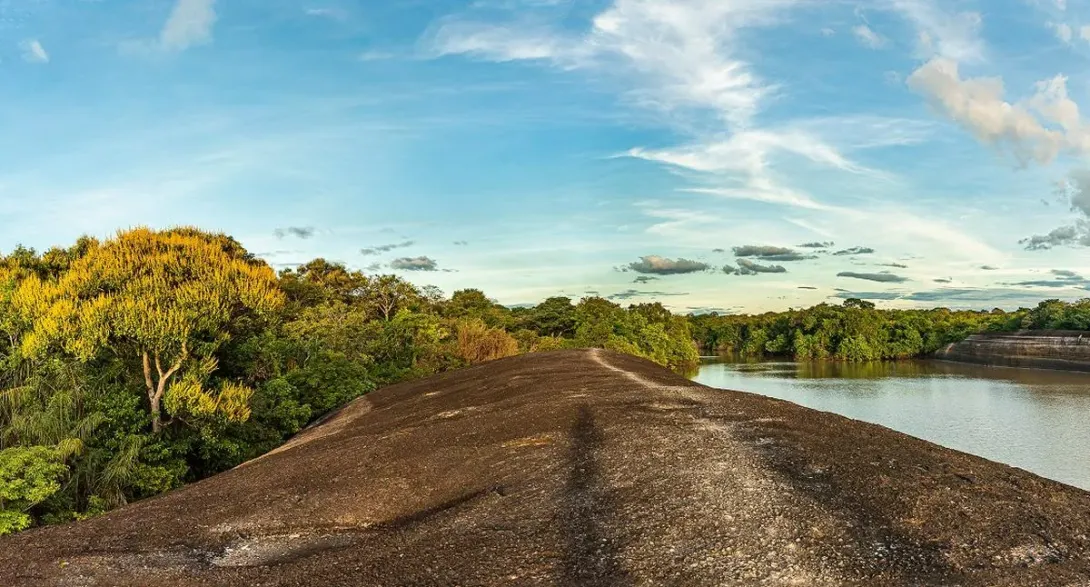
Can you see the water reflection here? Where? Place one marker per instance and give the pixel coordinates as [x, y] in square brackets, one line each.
[1034, 419]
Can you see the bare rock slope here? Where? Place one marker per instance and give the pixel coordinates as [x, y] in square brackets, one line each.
[1067, 350]
[582, 468]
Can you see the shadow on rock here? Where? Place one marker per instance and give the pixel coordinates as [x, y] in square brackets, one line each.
[591, 556]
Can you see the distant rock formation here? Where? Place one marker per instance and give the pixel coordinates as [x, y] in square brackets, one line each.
[1040, 349]
[575, 468]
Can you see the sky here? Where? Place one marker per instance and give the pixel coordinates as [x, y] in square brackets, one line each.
[712, 155]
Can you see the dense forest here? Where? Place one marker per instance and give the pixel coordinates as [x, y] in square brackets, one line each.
[131, 366]
[858, 331]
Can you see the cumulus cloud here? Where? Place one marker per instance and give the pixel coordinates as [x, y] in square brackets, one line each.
[303, 232]
[897, 265]
[747, 267]
[817, 245]
[386, 248]
[942, 280]
[190, 23]
[1076, 234]
[33, 51]
[884, 277]
[461, 243]
[656, 265]
[868, 37]
[414, 264]
[977, 105]
[719, 250]
[855, 251]
[989, 268]
[644, 279]
[1076, 189]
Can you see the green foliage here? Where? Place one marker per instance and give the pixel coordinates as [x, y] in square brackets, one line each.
[28, 476]
[857, 331]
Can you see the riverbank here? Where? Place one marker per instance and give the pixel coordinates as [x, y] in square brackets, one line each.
[582, 468]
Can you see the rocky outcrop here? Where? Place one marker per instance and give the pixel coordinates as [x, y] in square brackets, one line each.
[581, 468]
[1040, 349]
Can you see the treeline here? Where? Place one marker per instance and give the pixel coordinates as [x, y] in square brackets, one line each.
[131, 366]
[857, 331]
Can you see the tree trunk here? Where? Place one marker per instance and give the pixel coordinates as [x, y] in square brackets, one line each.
[157, 389]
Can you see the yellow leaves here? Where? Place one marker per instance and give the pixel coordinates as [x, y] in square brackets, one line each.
[149, 288]
[187, 397]
[234, 401]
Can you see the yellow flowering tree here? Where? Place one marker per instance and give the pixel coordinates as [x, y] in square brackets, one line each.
[166, 296]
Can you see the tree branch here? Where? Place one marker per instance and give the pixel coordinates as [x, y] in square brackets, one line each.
[147, 373]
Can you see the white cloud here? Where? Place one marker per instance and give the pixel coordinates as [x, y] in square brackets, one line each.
[681, 50]
[33, 51]
[496, 43]
[978, 106]
[748, 151]
[1062, 31]
[375, 56]
[190, 23]
[827, 32]
[946, 34]
[333, 13]
[761, 189]
[868, 37]
[1084, 32]
[678, 56]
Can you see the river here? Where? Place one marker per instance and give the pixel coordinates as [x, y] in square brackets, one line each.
[1033, 419]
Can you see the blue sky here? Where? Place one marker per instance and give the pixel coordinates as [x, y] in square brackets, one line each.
[625, 148]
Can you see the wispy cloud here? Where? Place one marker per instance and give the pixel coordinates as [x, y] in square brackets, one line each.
[386, 248]
[952, 35]
[678, 57]
[303, 232]
[632, 293]
[868, 37]
[884, 277]
[327, 12]
[33, 51]
[190, 23]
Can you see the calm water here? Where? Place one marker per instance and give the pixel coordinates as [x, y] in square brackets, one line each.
[1033, 419]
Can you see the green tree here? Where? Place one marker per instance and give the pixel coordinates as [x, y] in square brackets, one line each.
[28, 476]
[167, 298]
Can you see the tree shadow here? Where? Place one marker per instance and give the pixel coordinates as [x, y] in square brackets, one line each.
[591, 556]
